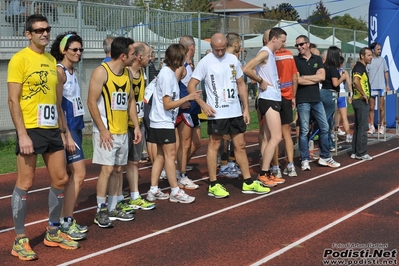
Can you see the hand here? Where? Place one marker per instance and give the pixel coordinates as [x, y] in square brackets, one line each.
[106, 139]
[25, 145]
[247, 117]
[263, 85]
[209, 111]
[195, 95]
[293, 104]
[137, 135]
[70, 144]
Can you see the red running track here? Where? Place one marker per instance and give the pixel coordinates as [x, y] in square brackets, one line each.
[293, 225]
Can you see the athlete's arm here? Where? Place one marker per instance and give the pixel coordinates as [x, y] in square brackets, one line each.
[97, 80]
[386, 74]
[356, 81]
[312, 79]
[14, 92]
[243, 92]
[208, 110]
[134, 117]
[249, 69]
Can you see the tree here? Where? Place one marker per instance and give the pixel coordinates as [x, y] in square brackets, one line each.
[196, 5]
[320, 16]
[283, 11]
[347, 22]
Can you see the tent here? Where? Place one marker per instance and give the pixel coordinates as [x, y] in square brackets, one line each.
[293, 29]
[334, 40]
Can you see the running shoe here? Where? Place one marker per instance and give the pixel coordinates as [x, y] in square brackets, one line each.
[276, 172]
[187, 183]
[141, 203]
[123, 206]
[71, 230]
[228, 172]
[353, 156]
[22, 249]
[382, 130]
[159, 195]
[118, 214]
[71, 220]
[163, 174]
[218, 191]
[371, 130]
[340, 132]
[365, 157]
[189, 168]
[102, 219]
[276, 179]
[305, 165]
[255, 188]
[56, 238]
[237, 168]
[333, 148]
[290, 171]
[349, 138]
[266, 181]
[181, 197]
[329, 162]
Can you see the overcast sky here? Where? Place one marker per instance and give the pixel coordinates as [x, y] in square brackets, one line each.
[356, 8]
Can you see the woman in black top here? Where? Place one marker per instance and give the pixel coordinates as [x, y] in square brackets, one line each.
[330, 86]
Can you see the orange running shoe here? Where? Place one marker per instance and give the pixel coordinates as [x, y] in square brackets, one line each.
[266, 181]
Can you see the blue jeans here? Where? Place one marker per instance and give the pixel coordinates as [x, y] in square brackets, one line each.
[319, 114]
[359, 141]
[327, 97]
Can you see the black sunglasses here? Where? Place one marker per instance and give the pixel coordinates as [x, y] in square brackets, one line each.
[76, 49]
[300, 44]
[41, 30]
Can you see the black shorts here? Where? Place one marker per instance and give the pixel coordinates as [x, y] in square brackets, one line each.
[264, 105]
[229, 126]
[146, 120]
[286, 112]
[162, 136]
[44, 140]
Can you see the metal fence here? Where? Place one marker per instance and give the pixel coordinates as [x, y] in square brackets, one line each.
[94, 22]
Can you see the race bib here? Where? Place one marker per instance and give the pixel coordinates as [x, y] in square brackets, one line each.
[78, 108]
[140, 109]
[119, 101]
[229, 95]
[47, 115]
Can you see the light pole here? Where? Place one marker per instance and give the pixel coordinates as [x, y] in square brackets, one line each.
[147, 18]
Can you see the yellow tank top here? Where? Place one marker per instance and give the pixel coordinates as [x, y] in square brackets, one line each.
[38, 75]
[139, 90]
[113, 103]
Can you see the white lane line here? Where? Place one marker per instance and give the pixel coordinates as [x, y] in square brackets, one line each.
[101, 252]
[321, 230]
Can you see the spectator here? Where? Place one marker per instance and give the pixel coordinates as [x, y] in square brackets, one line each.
[360, 103]
[16, 14]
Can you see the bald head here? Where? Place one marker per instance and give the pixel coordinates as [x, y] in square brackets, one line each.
[218, 44]
[266, 37]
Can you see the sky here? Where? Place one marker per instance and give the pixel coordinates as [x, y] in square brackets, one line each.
[355, 8]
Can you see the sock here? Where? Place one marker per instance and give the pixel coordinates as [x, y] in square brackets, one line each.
[262, 173]
[134, 195]
[182, 175]
[66, 221]
[231, 164]
[154, 189]
[55, 201]
[112, 201]
[18, 206]
[213, 183]
[290, 165]
[174, 190]
[248, 181]
[101, 203]
[178, 173]
[120, 197]
[275, 167]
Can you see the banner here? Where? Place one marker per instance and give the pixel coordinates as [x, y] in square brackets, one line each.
[383, 25]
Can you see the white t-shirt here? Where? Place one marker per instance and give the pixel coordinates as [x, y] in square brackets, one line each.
[166, 85]
[220, 76]
[268, 72]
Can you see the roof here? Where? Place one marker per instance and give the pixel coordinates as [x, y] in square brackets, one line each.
[233, 6]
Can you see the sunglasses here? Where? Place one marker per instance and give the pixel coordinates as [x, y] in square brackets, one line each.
[41, 30]
[300, 44]
[76, 49]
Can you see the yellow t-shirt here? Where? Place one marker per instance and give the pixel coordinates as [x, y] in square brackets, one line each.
[38, 75]
[114, 100]
[139, 90]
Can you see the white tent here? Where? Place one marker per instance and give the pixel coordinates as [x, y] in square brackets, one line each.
[334, 40]
[293, 29]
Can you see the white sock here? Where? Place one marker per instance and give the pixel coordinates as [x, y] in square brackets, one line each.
[100, 201]
[154, 189]
[174, 190]
[112, 201]
[134, 195]
[120, 197]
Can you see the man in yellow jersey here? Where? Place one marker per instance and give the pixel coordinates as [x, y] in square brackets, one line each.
[34, 106]
[111, 102]
[143, 55]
